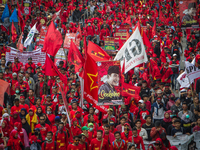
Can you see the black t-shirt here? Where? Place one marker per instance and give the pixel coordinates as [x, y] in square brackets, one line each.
[148, 129]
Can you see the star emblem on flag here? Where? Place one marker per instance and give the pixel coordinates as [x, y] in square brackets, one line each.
[92, 76]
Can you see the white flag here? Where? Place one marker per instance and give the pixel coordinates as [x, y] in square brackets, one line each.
[183, 80]
[132, 51]
[192, 71]
[30, 36]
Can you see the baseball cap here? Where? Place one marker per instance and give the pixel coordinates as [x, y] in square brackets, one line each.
[111, 123]
[159, 91]
[110, 109]
[141, 101]
[90, 124]
[84, 128]
[174, 55]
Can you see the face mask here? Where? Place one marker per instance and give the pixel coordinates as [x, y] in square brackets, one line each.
[89, 24]
[49, 140]
[171, 116]
[36, 133]
[187, 116]
[185, 95]
[166, 67]
[118, 139]
[60, 128]
[172, 98]
[15, 128]
[91, 129]
[17, 91]
[58, 81]
[78, 116]
[48, 112]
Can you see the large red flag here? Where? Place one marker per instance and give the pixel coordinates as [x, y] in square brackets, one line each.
[154, 28]
[75, 57]
[130, 90]
[90, 83]
[146, 40]
[20, 46]
[162, 18]
[53, 40]
[14, 33]
[52, 70]
[96, 52]
[3, 87]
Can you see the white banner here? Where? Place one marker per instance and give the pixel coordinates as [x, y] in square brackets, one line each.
[192, 71]
[183, 80]
[37, 56]
[133, 51]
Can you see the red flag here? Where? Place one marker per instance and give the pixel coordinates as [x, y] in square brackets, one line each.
[20, 46]
[79, 33]
[163, 56]
[75, 57]
[55, 15]
[96, 52]
[154, 28]
[130, 90]
[162, 18]
[85, 46]
[90, 83]
[128, 21]
[52, 70]
[120, 43]
[14, 33]
[3, 87]
[53, 40]
[146, 40]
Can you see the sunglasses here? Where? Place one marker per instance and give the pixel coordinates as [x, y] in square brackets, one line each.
[76, 140]
[41, 119]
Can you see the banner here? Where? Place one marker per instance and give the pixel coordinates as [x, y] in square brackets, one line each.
[68, 38]
[109, 83]
[188, 13]
[132, 51]
[43, 32]
[109, 44]
[37, 56]
[27, 7]
[183, 80]
[60, 56]
[121, 33]
[130, 90]
[192, 71]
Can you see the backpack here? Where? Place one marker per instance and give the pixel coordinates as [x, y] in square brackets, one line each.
[57, 135]
[54, 144]
[35, 146]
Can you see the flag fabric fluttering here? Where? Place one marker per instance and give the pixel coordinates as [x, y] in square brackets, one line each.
[53, 40]
[133, 51]
[20, 45]
[75, 57]
[96, 52]
[14, 33]
[78, 33]
[52, 70]
[6, 13]
[13, 17]
[30, 36]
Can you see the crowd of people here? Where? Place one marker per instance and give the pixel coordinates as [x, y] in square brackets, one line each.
[33, 115]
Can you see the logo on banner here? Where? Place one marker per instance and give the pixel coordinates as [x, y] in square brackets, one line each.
[130, 91]
[135, 47]
[183, 78]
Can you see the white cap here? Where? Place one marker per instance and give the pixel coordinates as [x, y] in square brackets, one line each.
[174, 55]
[183, 90]
[64, 113]
[141, 101]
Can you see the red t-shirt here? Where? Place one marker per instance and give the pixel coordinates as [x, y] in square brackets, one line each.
[73, 147]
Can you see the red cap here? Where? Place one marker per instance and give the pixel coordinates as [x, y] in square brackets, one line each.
[39, 64]
[74, 120]
[154, 55]
[41, 76]
[126, 124]
[22, 96]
